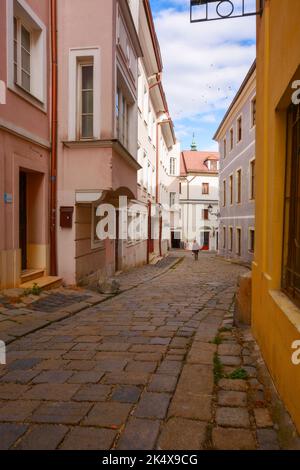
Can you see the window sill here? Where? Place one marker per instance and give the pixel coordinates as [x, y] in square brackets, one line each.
[289, 309]
[27, 96]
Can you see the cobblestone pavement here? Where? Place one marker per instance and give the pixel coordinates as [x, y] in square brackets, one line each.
[148, 369]
[23, 314]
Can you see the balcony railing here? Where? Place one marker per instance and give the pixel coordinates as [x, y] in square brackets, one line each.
[211, 10]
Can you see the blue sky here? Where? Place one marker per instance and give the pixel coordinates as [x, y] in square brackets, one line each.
[204, 65]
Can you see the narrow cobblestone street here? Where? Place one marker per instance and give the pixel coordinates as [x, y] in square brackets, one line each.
[157, 367]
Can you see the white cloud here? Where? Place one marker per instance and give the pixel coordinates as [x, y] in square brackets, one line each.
[204, 64]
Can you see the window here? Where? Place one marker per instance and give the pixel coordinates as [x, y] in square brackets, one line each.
[238, 241]
[145, 104]
[205, 214]
[231, 188]
[205, 188]
[231, 139]
[253, 112]
[172, 199]
[122, 117]
[239, 186]
[172, 166]
[27, 52]
[224, 148]
[230, 239]
[252, 179]
[251, 240]
[22, 55]
[180, 188]
[239, 129]
[86, 100]
[291, 267]
[224, 193]
[224, 238]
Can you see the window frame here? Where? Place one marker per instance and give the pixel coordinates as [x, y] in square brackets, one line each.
[231, 189]
[231, 139]
[39, 75]
[239, 129]
[239, 186]
[253, 121]
[250, 231]
[224, 193]
[81, 63]
[230, 246]
[252, 179]
[224, 237]
[238, 241]
[205, 192]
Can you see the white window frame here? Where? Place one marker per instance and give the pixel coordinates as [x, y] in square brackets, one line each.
[231, 189]
[251, 199]
[237, 186]
[224, 237]
[231, 142]
[80, 64]
[252, 126]
[230, 239]
[238, 230]
[239, 118]
[172, 166]
[251, 229]
[76, 56]
[37, 95]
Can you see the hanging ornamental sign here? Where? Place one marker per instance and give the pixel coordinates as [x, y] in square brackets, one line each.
[210, 10]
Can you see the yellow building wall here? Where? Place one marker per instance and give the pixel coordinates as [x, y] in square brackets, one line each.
[275, 319]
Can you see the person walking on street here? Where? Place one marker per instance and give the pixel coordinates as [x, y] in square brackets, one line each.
[196, 249]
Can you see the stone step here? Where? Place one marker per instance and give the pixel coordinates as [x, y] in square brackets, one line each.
[31, 274]
[44, 282]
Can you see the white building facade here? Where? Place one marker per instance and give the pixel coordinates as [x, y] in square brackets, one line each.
[199, 199]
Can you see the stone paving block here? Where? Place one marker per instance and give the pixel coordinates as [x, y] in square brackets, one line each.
[263, 418]
[230, 360]
[23, 364]
[126, 378]
[125, 394]
[113, 347]
[42, 437]
[11, 391]
[232, 398]
[196, 379]
[17, 411]
[84, 438]
[229, 349]
[267, 439]
[20, 376]
[139, 434]
[53, 377]
[191, 405]
[233, 439]
[108, 414]
[86, 377]
[182, 434]
[111, 365]
[153, 405]
[148, 357]
[60, 412]
[235, 385]
[232, 417]
[162, 383]
[79, 355]
[170, 367]
[141, 366]
[10, 433]
[81, 365]
[55, 392]
[92, 393]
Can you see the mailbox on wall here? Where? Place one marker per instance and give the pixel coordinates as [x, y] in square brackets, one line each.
[66, 217]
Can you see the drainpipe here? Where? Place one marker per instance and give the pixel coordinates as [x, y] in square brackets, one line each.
[53, 169]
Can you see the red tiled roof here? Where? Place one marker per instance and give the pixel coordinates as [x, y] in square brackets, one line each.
[194, 162]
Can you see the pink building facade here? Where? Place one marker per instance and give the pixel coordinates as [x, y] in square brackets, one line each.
[24, 139]
[98, 50]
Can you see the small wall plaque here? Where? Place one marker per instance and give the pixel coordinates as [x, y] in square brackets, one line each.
[8, 198]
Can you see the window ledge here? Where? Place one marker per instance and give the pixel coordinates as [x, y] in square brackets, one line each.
[287, 307]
